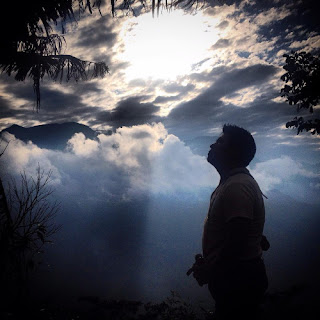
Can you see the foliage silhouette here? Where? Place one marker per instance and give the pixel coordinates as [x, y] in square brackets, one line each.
[30, 48]
[171, 308]
[277, 305]
[302, 88]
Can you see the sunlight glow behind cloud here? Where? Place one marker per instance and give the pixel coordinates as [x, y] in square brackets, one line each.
[167, 46]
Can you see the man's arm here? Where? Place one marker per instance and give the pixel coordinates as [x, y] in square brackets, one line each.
[236, 241]
[238, 207]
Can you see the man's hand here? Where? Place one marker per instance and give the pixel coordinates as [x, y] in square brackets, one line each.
[202, 273]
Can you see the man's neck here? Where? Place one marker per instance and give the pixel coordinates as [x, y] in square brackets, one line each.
[225, 172]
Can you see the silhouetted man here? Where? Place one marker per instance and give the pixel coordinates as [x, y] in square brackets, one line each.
[233, 231]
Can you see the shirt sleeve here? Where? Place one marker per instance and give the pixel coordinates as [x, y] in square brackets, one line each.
[238, 201]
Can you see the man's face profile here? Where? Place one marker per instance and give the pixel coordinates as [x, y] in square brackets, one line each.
[219, 151]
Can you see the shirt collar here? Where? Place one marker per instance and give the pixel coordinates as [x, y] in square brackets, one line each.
[234, 172]
[238, 170]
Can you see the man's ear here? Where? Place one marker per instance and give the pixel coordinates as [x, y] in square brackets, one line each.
[231, 155]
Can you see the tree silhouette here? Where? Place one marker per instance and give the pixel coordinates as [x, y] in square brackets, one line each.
[26, 225]
[302, 88]
[30, 48]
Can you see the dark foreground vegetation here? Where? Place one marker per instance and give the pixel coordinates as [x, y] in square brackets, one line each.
[297, 302]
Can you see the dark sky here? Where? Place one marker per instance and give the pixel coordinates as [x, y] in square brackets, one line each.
[133, 202]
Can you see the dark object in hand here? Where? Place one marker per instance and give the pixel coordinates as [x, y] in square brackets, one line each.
[264, 243]
[199, 261]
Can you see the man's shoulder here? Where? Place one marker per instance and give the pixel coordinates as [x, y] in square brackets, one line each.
[242, 181]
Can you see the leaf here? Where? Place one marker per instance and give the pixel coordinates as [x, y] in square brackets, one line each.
[303, 72]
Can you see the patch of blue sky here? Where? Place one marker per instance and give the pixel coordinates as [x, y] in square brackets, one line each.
[244, 54]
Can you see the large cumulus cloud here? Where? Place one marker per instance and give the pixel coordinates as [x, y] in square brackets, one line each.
[138, 161]
[279, 171]
[132, 161]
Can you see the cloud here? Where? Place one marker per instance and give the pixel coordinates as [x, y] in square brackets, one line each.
[174, 163]
[221, 43]
[133, 161]
[174, 87]
[5, 108]
[164, 99]
[315, 185]
[274, 172]
[197, 65]
[310, 44]
[128, 112]
[56, 105]
[223, 24]
[82, 146]
[53, 99]
[208, 104]
[272, 15]
[239, 78]
[20, 156]
[99, 32]
[137, 83]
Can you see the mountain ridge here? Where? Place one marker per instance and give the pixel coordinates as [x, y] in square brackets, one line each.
[50, 136]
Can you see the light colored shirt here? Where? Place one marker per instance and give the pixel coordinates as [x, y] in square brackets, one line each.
[238, 196]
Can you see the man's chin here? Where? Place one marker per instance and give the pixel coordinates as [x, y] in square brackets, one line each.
[212, 161]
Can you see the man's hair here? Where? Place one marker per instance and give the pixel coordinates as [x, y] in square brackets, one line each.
[241, 142]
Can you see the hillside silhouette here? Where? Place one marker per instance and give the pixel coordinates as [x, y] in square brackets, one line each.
[50, 136]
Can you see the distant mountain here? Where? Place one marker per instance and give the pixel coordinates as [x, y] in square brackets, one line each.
[50, 136]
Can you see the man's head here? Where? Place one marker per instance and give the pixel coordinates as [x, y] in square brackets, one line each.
[234, 148]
